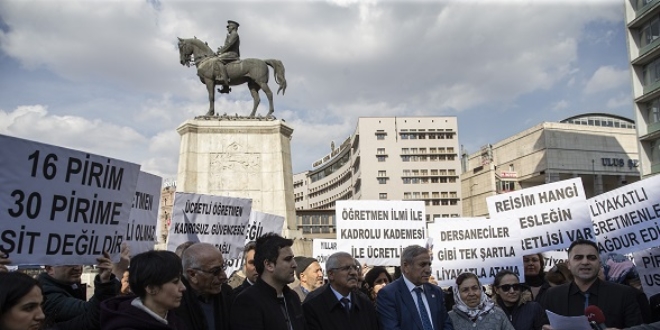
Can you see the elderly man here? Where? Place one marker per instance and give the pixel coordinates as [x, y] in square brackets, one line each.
[250, 271]
[410, 302]
[65, 300]
[618, 302]
[228, 53]
[310, 275]
[270, 303]
[338, 305]
[206, 302]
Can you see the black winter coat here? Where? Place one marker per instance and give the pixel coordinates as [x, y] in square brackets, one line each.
[118, 314]
[324, 312]
[258, 308]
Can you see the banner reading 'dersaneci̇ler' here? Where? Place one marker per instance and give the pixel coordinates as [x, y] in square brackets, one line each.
[549, 216]
[259, 224]
[141, 228]
[627, 219]
[60, 206]
[216, 220]
[376, 232]
[474, 245]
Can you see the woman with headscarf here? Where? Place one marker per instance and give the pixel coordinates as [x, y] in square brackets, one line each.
[376, 279]
[20, 302]
[524, 315]
[473, 308]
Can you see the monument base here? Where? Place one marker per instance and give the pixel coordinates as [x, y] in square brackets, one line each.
[239, 158]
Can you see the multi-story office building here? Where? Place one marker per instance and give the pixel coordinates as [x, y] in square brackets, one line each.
[601, 149]
[389, 158]
[643, 22]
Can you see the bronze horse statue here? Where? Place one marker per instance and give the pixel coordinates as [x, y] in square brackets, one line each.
[252, 71]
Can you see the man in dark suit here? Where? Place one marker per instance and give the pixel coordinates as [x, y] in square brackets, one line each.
[618, 302]
[410, 302]
[250, 271]
[205, 303]
[338, 305]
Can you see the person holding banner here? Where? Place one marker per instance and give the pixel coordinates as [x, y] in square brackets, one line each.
[410, 302]
[207, 300]
[66, 297]
[618, 302]
[473, 308]
[20, 302]
[523, 315]
[338, 305]
[156, 280]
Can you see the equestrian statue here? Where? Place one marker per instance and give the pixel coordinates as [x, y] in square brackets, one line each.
[227, 69]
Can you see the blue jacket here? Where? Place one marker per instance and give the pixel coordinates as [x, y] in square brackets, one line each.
[397, 310]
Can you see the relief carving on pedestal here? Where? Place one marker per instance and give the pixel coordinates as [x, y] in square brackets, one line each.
[230, 172]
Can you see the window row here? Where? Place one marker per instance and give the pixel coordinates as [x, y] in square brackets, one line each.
[405, 158]
[407, 151]
[653, 111]
[428, 180]
[423, 172]
[427, 195]
[423, 136]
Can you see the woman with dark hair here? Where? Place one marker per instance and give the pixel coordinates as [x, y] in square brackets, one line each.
[155, 277]
[535, 275]
[524, 315]
[473, 308]
[20, 302]
[376, 279]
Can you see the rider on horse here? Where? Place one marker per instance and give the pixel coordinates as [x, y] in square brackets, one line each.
[228, 53]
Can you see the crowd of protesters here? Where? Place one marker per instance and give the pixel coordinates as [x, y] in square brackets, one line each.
[188, 289]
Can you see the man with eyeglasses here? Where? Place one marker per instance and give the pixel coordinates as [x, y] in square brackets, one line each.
[618, 302]
[207, 300]
[411, 302]
[270, 303]
[338, 305]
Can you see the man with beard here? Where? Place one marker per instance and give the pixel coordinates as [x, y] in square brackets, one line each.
[66, 304]
[206, 302]
[618, 302]
[310, 274]
[270, 303]
[339, 305]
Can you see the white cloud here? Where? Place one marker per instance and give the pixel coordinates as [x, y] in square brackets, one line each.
[561, 105]
[607, 78]
[620, 101]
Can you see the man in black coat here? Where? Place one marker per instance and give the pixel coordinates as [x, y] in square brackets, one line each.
[337, 305]
[207, 300]
[250, 271]
[270, 303]
[618, 302]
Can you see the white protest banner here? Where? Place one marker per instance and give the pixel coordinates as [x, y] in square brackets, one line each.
[626, 219]
[217, 220]
[61, 206]
[648, 267]
[554, 257]
[474, 245]
[259, 224]
[322, 249]
[550, 216]
[377, 231]
[141, 228]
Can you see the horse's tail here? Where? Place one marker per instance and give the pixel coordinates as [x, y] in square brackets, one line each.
[278, 67]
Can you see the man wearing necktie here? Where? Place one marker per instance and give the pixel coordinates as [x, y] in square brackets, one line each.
[410, 302]
[338, 305]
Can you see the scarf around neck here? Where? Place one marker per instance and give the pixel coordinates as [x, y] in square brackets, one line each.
[485, 304]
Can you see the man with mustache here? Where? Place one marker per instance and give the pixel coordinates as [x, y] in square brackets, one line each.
[310, 274]
[65, 301]
[338, 305]
[410, 302]
[618, 302]
[270, 303]
[207, 300]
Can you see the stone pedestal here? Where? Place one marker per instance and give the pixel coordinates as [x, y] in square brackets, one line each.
[239, 158]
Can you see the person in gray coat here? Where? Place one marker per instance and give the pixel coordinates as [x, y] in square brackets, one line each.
[473, 308]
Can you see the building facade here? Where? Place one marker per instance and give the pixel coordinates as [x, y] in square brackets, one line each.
[643, 25]
[386, 158]
[601, 149]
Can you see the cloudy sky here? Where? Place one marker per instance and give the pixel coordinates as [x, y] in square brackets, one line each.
[104, 76]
